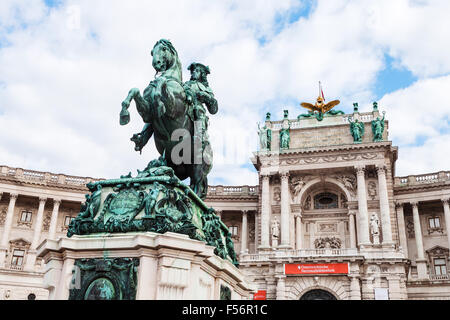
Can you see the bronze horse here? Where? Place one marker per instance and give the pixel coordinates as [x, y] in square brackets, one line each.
[164, 108]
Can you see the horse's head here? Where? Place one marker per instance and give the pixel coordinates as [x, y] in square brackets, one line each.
[165, 56]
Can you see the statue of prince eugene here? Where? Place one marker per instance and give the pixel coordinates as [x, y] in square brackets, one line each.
[175, 114]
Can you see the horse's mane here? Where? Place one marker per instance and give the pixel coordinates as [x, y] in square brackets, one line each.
[166, 43]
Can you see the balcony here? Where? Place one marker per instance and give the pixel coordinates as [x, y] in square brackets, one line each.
[302, 253]
[220, 190]
[422, 179]
[439, 277]
[44, 177]
[14, 267]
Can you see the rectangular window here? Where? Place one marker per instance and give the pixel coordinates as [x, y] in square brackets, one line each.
[67, 220]
[434, 223]
[26, 216]
[440, 267]
[233, 230]
[17, 258]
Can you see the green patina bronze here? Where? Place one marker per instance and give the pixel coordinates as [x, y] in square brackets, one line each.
[285, 137]
[169, 104]
[265, 137]
[155, 200]
[378, 128]
[104, 279]
[225, 293]
[356, 130]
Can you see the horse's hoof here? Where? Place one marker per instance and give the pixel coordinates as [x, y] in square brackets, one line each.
[124, 117]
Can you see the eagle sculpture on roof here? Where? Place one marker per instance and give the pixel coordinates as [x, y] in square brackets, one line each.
[319, 109]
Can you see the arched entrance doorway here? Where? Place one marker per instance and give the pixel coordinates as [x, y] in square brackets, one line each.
[317, 294]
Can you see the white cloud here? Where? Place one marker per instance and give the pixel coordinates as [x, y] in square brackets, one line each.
[419, 123]
[64, 76]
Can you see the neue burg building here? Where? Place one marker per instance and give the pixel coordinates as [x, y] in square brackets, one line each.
[329, 219]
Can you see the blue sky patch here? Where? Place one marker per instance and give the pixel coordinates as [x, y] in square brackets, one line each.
[392, 78]
[53, 3]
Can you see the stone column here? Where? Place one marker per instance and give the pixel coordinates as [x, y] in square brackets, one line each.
[395, 293]
[355, 288]
[445, 202]
[219, 214]
[285, 210]
[401, 228]
[7, 228]
[265, 212]
[147, 278]
[62, 290]
[298, 231]
[351, 228]
[363, 230]
[54, 219]
[31, 257]
[9, 219]
[420, 261]
[281, 287]
[384, 206]
[256, 230]
[244, 232]
[38, 226]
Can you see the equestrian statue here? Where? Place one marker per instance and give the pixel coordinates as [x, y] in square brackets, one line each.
[168, 105]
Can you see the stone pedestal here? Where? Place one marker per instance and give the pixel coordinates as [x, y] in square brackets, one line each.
[422, 272]
[161, 266]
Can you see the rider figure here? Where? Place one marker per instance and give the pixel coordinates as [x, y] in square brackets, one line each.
[198, 93]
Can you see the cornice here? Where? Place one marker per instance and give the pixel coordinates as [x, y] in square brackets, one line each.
[331, 148]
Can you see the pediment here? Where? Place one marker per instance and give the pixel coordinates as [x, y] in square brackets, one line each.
[22, 243]
[437, 251]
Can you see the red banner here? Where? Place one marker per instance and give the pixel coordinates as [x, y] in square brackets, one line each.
[321, 268]
[260, 295]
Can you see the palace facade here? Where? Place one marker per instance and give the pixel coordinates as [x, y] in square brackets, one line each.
[329, 218]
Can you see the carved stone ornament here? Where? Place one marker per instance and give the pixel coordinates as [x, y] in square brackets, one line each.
[328, 243]
[2, 216]
[349, 182]
[307, 204]
[276, 194]
[410, 228]
[46, 222]
[104, 279]
[372, 190]
[20, 244]
[437, 251]
[155, 200]
[328, 227]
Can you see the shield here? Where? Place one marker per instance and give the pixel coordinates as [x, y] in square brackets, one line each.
[125, 205]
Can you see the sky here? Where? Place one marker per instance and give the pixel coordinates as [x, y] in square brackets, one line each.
[66, 66]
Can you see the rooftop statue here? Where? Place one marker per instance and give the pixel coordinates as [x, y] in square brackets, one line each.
[319, 109]
[168, 105]
[356, 130]
[378, 128]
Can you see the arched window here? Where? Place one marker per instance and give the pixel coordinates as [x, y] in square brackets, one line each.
[325, 200]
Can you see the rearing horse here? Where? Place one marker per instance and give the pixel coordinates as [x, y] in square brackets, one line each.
[164, 109]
